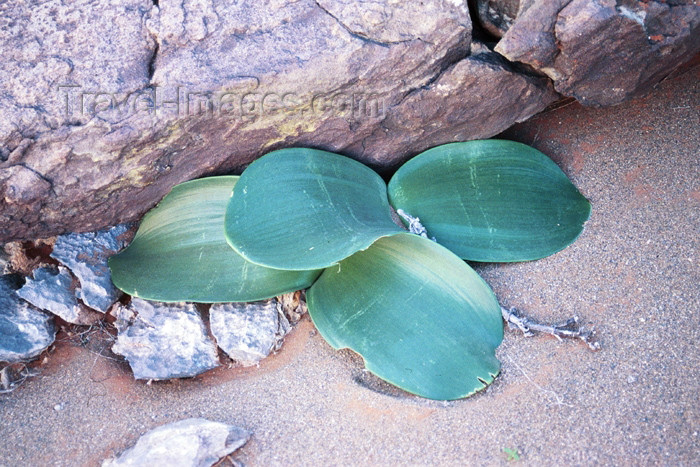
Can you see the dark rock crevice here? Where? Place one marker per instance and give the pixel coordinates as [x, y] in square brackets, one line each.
[152, 61]
[485, 53]
[481, 31]
[453, 57]
[488, 35]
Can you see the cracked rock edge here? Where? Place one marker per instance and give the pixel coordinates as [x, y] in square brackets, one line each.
[25, 331]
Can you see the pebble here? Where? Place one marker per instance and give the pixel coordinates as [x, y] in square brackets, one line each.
[191, 442]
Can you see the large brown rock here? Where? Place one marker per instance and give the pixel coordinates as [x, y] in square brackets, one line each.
[107, 104]
[605, 51]
[166, 93]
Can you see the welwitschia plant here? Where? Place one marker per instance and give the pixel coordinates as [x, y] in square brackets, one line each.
[420, 316]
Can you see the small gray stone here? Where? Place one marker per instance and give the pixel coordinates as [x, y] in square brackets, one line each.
[165, 341]
[24, 331]
[192, 442]
[247, 332]
[86, 256]
[50, 290]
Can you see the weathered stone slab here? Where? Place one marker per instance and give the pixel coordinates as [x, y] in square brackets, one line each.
[51, 290]
[165, 341]
[24, 331]
[86, 254]
[194, 442]
[248, 332]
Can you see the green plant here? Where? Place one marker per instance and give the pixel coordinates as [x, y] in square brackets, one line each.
[418, 314]
[512, 454]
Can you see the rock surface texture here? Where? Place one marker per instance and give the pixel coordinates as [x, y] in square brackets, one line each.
[24, 331]
[248, 332]
[86, 256]
[605, 51]
[96, 128]
[194, 442]
[163, 341]
[51, 290]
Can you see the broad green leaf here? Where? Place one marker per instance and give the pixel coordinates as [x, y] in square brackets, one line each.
[421, 318]
[180, 253]
[306, 209]
[491, 200]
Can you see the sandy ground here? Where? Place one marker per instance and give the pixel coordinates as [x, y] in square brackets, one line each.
[633, 273]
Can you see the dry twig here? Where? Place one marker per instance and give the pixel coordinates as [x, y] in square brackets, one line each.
[571, 329]
[13, 375]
